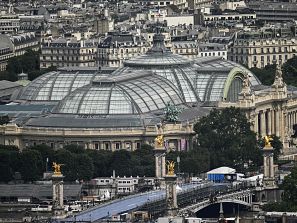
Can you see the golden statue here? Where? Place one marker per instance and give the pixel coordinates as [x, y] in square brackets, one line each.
[159, 141]
[57, 168]
[170, 168]
[267, 140]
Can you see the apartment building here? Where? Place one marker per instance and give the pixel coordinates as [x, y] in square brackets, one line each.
[192, 4]
[186, 48]
[212, 50]
[68, 53]
[16, 45]
[24, 42]
[6, 51]
[230, 17]
[193, 49]
[9, 23]
[117, 47]
[258, 49]
[274, 11]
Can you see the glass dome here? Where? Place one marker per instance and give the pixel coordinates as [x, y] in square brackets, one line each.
[159, 60]
[133, 93]
[54, 86]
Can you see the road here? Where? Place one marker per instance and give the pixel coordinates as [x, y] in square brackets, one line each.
[122, 205]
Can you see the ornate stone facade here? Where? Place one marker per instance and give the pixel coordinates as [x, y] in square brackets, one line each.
[270, 110]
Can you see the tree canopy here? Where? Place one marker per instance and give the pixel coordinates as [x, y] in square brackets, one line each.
[266, 74]
[78, 163]
[28, 63]
[227, 136]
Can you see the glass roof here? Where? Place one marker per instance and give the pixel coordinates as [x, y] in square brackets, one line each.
[213, 74]
[54, 86]
[126, 94]
[160, 59]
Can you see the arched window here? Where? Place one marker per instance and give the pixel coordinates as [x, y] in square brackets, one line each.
[235, 89]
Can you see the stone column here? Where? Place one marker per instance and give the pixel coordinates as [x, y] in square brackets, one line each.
[157, 167]
[58, 204]
[282, 117]
[269, 122]
[263, 124]
[268, 178]
[256, 126]
[272, 112]
[277, 122]
[171, 195]
[163, 165]
[271, 172]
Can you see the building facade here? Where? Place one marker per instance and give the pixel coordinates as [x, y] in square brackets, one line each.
[68, 53]
[9, 23]
[271, 110]
[274, 11]
[117, 47]
[16, 45]
[258, 49]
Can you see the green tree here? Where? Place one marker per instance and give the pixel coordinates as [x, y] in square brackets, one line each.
[30, 165]
[290, 71]
[28, 63]
[121, 163]
[227, 136]
[46, 153]
[84, 167]
[266, 74]
[290, 187]
[143, 161]
[101, 161]
[69, 168]
[8, 162]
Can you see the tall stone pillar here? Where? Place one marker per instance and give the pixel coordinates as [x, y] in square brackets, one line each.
[171, 195]
[276, 122]
[269, 177]
[163, 165]
[160, 162]
[256, 119]
[269, 122]
[263, 124]
[58, 193]
[160, 165]
[272, 116]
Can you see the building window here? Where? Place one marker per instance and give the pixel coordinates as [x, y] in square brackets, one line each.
[96, 146]
[106, 146]
[117, 145]
[138, 144]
